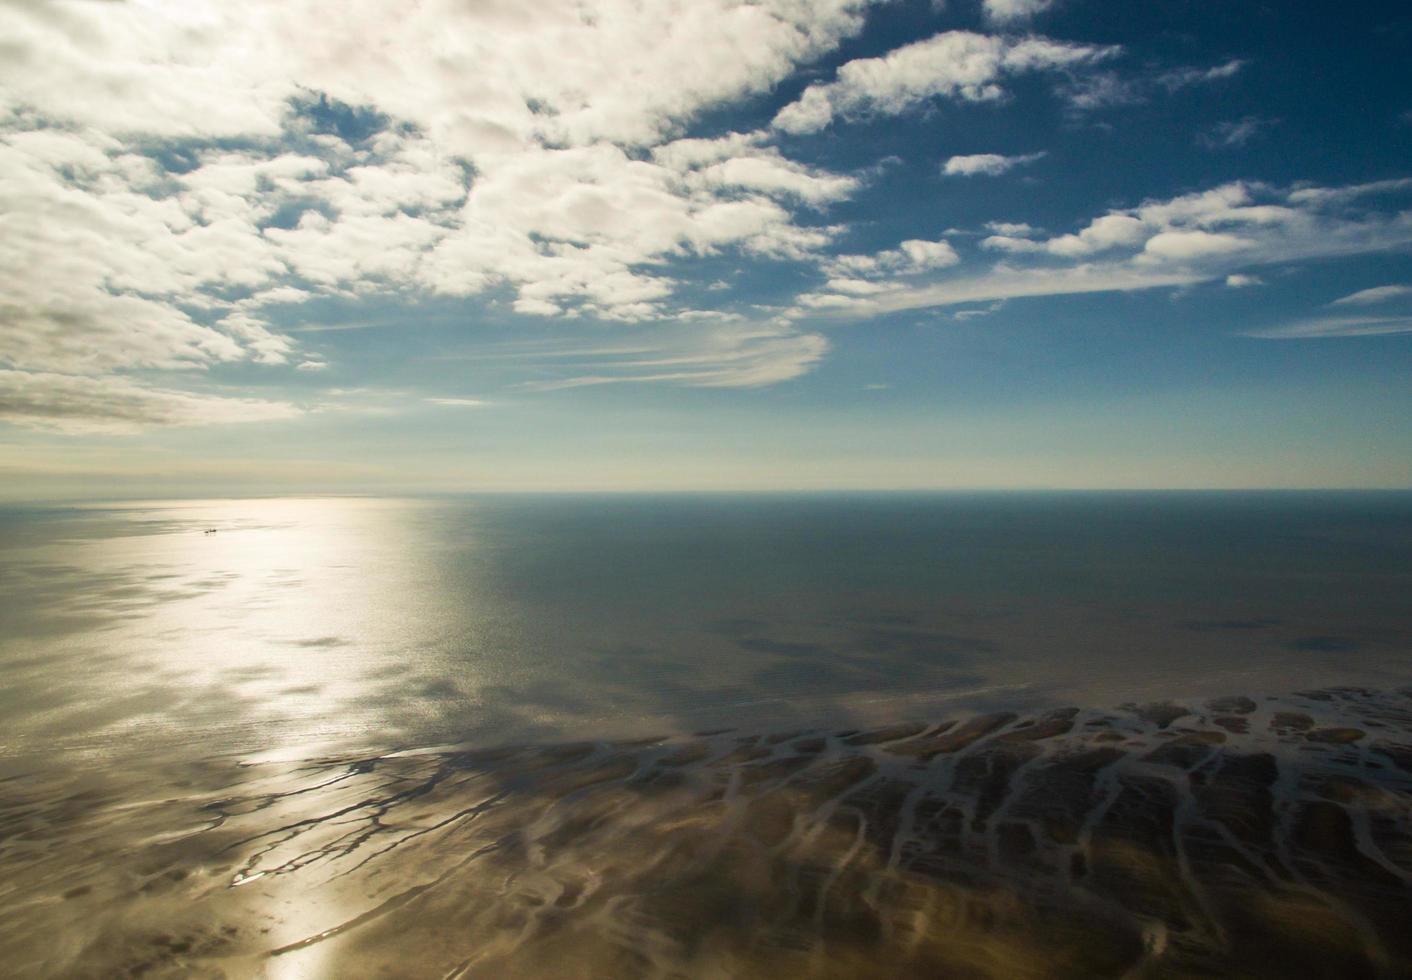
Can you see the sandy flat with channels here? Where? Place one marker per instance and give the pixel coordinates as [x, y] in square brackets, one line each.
[1256, 836]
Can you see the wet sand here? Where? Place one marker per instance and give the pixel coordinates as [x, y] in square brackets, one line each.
[1246, 836]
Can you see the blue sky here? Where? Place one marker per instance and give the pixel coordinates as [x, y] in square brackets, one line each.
[705, 245]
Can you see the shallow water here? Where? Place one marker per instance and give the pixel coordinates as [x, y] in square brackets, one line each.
[364, 737]
[377, 623]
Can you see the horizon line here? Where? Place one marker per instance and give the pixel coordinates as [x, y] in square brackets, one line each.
[392, 494]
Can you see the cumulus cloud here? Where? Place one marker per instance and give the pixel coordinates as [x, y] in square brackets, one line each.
[1014, 229]
[743, 161]
[1239, 280]
[913, 255]
[180, 177]
[550, 70]
[112, 262]
[1185, 246]
[1231, 218]
[1008, 11]
[1377, 294]
[858, 282]
[1197, 237]
[77, 404]
[956, 64]
[176, 170]
[378, 193]
[986, 164]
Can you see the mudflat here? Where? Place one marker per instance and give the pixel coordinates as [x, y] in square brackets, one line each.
[1247, 835]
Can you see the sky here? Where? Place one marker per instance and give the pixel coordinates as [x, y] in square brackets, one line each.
[446, 245]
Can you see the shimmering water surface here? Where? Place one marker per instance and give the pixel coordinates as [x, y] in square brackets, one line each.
[394, 622]
[441, 737]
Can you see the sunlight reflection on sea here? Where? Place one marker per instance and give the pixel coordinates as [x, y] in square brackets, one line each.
[295, 623]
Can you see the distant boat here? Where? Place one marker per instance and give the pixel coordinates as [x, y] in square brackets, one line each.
[210, 530]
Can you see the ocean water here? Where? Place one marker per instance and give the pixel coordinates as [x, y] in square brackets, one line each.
[990, 735]
[386, 623]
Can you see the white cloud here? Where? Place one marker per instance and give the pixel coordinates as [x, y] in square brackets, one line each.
[1005, 282]
[1011, 243]
[1317, 196]
[1103, 233]
[108, 263]
[1235, 132]
[1102, 91]
[550, 70]
[987, 164]
[1182, 77]
[1106, 89]
[775, 175]
[729, 355]
[76, 404]
[957, 65]
[1185, 246]
[1183, 240]
[133, 240]
[911, 256]
[855, 287]
[860, 282]
[1354, 326]
[1007, 11]
[1016, 229]
[1378, 294]
[178, 177]
[458, 402]
[1237, 280]
[928, 255]
[686, 154]
[740, 160]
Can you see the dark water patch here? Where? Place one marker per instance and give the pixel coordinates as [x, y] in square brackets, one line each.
[1240, 625]
[320, 642]
[1326, 644]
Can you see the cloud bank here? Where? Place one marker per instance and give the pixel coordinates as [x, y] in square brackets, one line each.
[177, 173]
[180, 178]
[74, 404]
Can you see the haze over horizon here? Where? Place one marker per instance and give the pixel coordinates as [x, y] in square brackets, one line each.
[793, 244]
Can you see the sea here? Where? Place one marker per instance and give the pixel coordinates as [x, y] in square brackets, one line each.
[268, 623]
